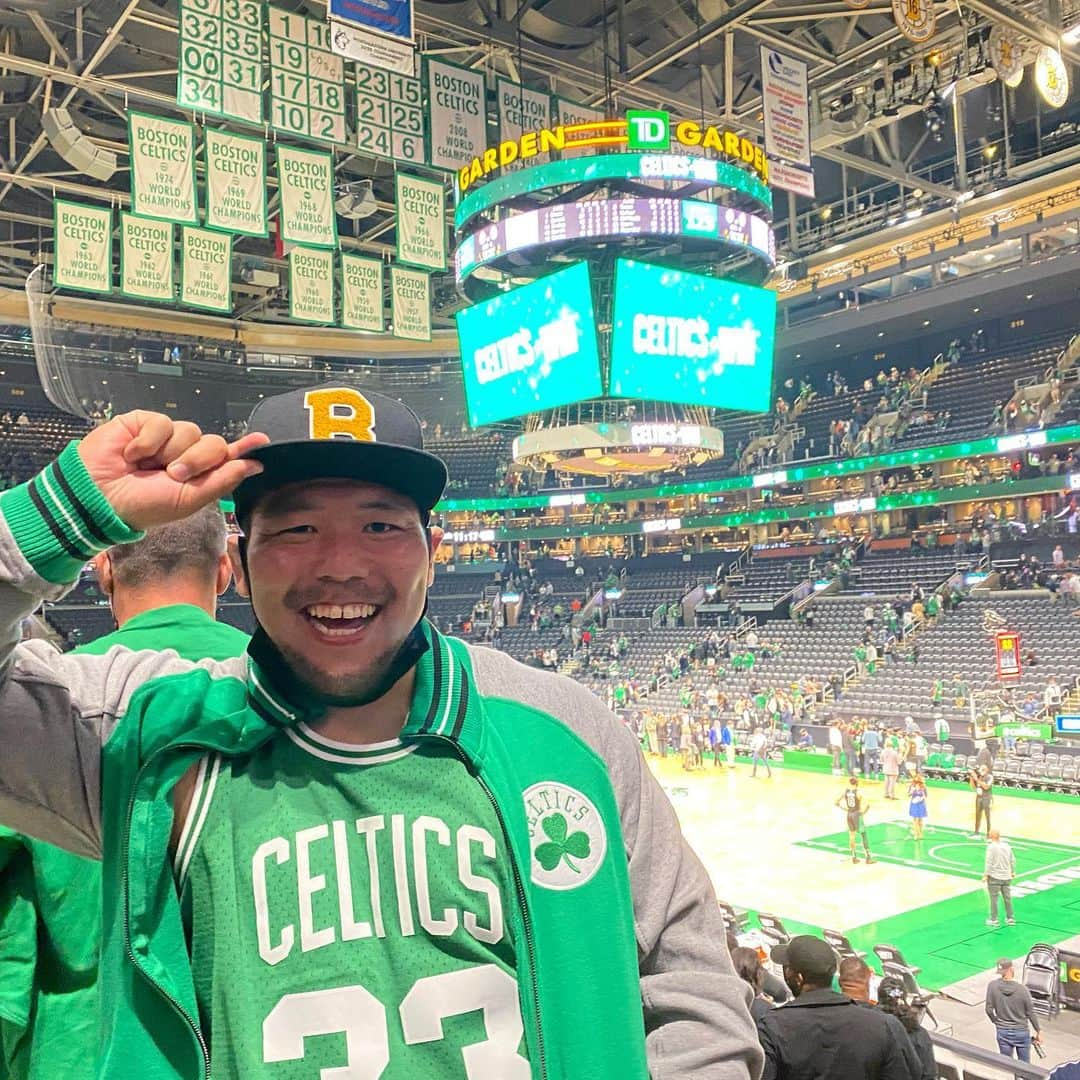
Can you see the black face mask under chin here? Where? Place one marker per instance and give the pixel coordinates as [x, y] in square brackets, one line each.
[274, 668]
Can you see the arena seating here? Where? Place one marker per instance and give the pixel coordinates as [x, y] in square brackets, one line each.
[475, 461]
[892, 571]
[768, 579]
[31, 437]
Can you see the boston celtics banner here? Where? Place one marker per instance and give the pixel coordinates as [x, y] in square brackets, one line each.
[162, 168]
[410, 292]
[311, 285]
[421, 222]
[306, 186]
[235, 184]
[361, 293]
[206, 269]
[83, 253]
[146, 258]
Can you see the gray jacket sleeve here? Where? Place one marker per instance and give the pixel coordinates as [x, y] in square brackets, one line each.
[697, 1010]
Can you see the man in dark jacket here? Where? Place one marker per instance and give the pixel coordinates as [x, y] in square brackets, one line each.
[822, 1035]
[1010, 1008]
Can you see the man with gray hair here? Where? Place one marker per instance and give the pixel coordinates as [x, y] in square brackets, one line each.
[998, 872]
[163, 591]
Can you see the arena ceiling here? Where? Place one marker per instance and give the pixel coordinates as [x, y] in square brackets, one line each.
[697, 57]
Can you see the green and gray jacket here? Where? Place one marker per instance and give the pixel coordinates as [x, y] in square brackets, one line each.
[623, 976]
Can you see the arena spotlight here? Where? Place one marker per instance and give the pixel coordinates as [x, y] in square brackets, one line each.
[934, 115]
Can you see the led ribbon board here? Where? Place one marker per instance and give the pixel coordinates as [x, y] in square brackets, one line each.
[606, 219]
[690, 339]
[531, 348]
[694, 171]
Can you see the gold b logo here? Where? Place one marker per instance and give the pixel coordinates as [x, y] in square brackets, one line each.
[339, 412]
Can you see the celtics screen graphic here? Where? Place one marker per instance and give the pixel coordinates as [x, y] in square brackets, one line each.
[348, 911]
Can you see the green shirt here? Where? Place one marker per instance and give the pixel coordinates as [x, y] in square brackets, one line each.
[48, 1005]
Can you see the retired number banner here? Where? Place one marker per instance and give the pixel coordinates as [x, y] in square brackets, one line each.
[206, 269]
[82, 258]
[410, 291]
[421, 222]
[236, 184]
[162, 168]
[306, 187]
[146, 258]
[361, 293]
[311, 285]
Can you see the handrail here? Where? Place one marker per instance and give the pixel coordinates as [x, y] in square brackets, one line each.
[977, 1054]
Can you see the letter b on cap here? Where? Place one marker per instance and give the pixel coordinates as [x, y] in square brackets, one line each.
[339, 412]
[647, 129]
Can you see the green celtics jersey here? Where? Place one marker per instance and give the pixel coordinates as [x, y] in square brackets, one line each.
[348, 911]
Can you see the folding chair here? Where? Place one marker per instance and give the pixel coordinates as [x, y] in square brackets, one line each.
[890, 954]
[914, 993]
[1041, 976]
[840, 944]
[773, 929]
[735, 919]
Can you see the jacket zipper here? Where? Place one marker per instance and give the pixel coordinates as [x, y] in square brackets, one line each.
[188, 1018]
[523, 904]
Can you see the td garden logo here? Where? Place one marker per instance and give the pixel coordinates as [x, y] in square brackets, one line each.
[567, 837]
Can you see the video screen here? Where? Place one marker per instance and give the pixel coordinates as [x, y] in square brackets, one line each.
[691, 339]
[530, 349]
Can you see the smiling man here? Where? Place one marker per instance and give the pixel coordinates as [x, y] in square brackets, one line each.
[366, 850]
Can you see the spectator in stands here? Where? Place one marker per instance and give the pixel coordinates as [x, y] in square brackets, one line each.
[748, 967]
[1052, 695]
[822, 1033]
[1011, 1010]
[893, 1001]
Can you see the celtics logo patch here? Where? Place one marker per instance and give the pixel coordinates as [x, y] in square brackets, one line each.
[566, 836]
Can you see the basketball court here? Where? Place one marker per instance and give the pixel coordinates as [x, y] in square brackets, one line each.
[780, 845]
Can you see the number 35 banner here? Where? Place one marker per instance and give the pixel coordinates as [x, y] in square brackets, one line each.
[162, 168]
[306, 186]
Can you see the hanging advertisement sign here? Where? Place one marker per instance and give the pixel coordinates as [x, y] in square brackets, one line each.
[915, 19]
[146, 258]
[391, 18]
[82, 258]
[792, 178]
[162, 155]
[410, 294]
[311, 285]
[1006, 56]
[306, 188]
[457, 111]
[235, 184]
[421, 221]
[374, 50]
[205, 269]
[786, 102]
[361, 293]
[520, 110]
[1051, 77]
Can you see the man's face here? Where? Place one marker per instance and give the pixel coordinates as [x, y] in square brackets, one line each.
[338, 572]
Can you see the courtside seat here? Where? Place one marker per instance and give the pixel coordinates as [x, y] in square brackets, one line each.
[890, 954]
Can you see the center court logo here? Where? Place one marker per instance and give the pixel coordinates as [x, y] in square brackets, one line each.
[567, 837]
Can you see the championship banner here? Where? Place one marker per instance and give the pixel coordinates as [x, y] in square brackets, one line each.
[311, 285]
[235, 183]
[306, 187]
[82, 258]
[205, 269]
[786, 102]
[162, 168]
[410, 292]
[146, 258]
[457, 110]
[421, 221]
[565, 112]
[361, 293]
[520, 110]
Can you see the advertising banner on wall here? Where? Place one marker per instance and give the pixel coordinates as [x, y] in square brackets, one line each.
[146, 258]
[361, 293]
[421, 221]
[205, 269]
[311, 285]
[410, 292]
[83, 252]
[162, 168]
[786, 103]
[235, 183]
[306, 187]
[457, 109]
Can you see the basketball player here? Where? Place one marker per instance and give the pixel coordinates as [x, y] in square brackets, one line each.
[365, 849]
[855, 806]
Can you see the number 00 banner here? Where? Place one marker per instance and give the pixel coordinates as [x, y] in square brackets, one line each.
[83, 256]
[410, 291]
[361, 293]
[306, 186]
[146, 258]
[311, 285]
[206, 266]
[162, 168]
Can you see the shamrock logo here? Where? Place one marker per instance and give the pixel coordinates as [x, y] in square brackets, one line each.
[562, 844]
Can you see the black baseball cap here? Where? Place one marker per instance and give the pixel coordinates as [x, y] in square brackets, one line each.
[336, 431]
[809, 956]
